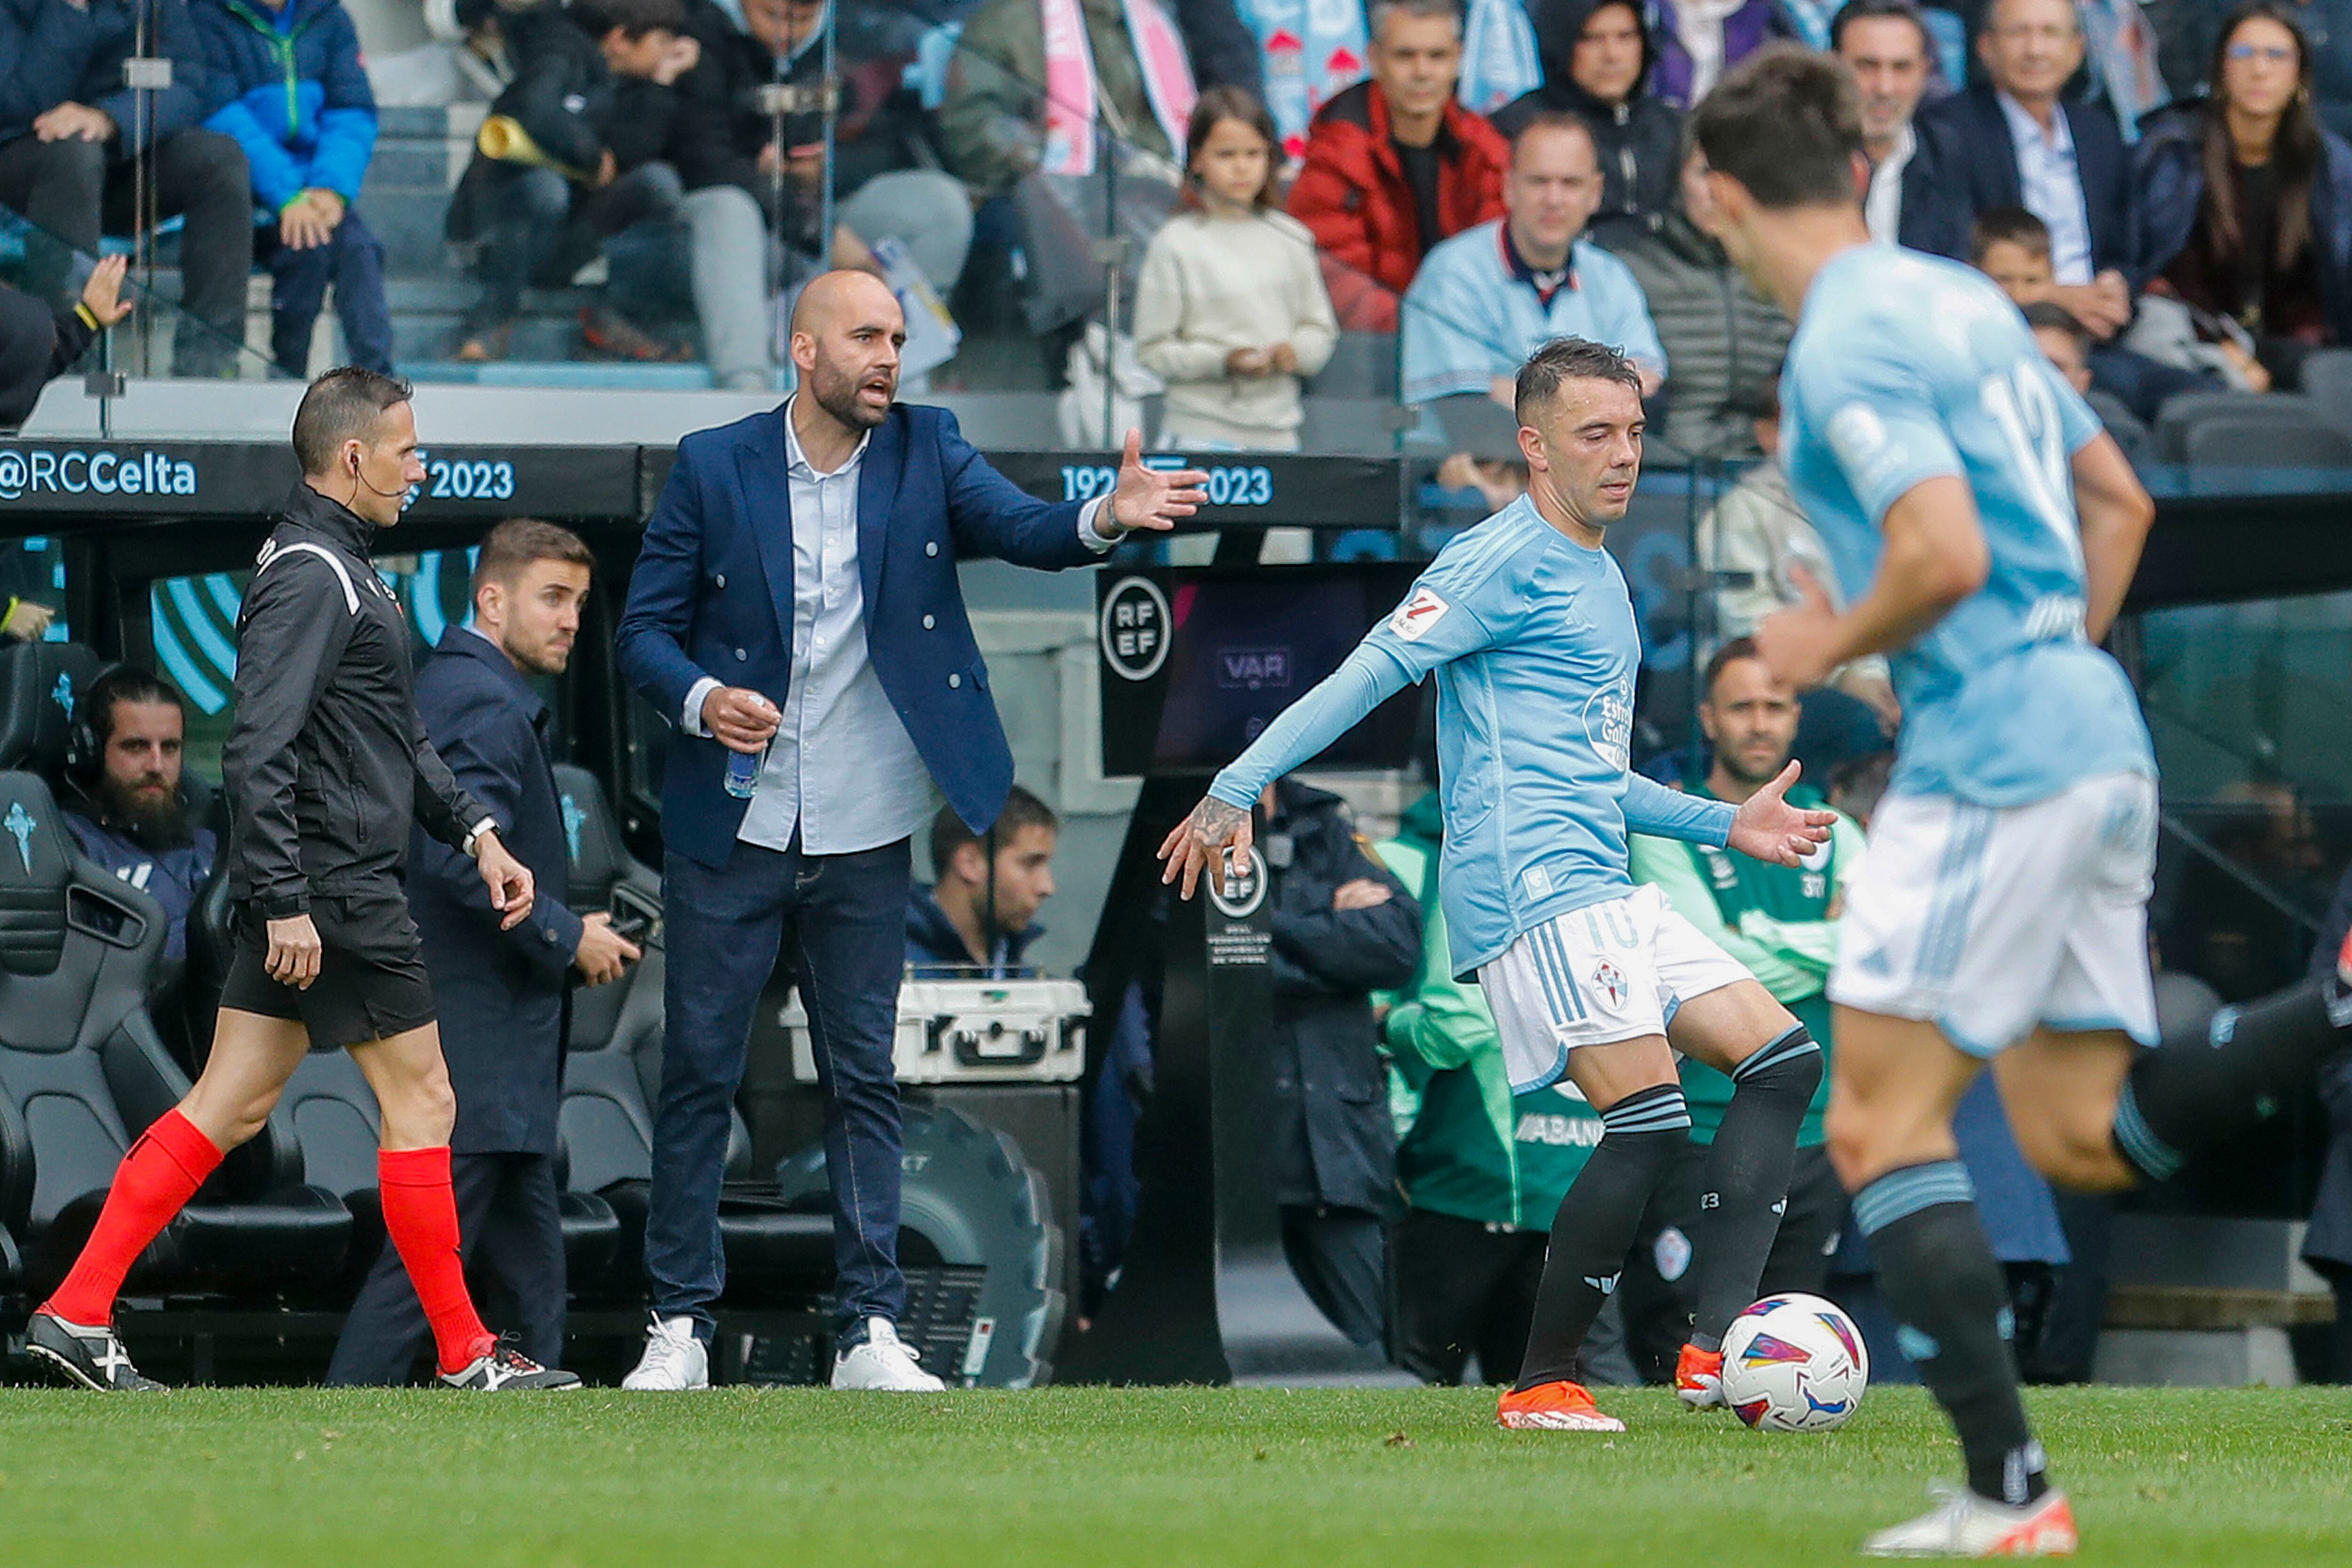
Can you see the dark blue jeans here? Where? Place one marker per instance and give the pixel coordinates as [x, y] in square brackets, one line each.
[353, 259]
[840, 924]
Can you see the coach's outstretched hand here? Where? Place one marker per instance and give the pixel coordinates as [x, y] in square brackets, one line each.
[507, 879]
[1769, 828]
[1216, 833]
[1152, 498]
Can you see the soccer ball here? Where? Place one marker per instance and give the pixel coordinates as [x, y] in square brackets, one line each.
[1794, 1363]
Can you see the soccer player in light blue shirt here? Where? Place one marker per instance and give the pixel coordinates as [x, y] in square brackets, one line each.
[1984, 528]
[1526, 623]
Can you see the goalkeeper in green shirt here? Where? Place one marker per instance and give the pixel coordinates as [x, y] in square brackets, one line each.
[1781, 922]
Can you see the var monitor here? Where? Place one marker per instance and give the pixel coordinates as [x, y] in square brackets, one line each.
[1197, 660]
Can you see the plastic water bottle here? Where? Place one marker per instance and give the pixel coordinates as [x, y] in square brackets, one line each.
[744, 772]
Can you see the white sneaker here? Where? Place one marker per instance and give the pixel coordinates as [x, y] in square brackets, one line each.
[885, 1362]
[675, 1359]
[1966, 1525]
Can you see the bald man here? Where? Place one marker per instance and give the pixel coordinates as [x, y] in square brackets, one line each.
[795, 610]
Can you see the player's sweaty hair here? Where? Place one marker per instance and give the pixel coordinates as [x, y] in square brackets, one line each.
[1786, 123]
[1564, 360]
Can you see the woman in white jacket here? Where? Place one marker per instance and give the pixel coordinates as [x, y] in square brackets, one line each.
[1230, 310]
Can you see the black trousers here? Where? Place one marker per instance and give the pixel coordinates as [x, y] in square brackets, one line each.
[1461, 1285]
[1657, 1289]
[75, 190]
[511, 1230]
[1341, 1259]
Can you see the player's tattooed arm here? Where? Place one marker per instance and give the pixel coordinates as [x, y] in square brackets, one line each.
[1216, 831]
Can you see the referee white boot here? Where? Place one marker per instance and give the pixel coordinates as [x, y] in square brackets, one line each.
[675, 1359]
[882, 1361]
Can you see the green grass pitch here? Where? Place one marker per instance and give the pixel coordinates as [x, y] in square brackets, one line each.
[782, 1478]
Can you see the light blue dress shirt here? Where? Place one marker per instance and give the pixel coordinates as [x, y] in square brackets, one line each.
[2052, 186]
[842, 770]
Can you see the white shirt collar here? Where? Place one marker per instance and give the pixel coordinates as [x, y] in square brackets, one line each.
[795, 459]
[2027, 130]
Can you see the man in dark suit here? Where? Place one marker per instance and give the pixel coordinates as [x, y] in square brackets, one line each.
[794, 613]
[2011, 140]
[499, 992]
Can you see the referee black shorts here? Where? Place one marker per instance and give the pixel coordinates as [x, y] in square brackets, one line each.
[371, 982]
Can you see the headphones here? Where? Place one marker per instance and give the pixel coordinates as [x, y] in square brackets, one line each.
[85, 753]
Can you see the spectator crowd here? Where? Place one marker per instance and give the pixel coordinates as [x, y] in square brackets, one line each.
[2169, 179]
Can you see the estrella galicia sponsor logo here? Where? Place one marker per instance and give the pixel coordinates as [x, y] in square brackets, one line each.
[78, 471]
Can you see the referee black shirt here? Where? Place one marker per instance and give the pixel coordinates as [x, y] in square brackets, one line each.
[327, 761]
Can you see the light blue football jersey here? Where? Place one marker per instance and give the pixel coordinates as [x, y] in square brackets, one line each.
[1532, 640]
[1906, 367]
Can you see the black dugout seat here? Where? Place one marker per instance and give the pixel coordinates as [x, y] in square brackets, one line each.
[334, 1115]
[40, 683]
[81, 1068]
[612, 1076]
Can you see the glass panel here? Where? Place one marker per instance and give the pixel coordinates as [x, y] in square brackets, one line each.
[159, 338]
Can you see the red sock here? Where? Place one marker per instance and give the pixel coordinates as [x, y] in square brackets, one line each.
[420, 1213]
[154, 1183]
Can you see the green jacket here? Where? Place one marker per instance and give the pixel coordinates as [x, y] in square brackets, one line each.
[993, 118]
[1474, 1150]
[1777, 921]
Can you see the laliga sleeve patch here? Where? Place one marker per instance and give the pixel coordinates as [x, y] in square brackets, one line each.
[1420, 612]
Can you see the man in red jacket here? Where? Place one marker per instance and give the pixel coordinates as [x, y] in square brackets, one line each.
[1394, 165]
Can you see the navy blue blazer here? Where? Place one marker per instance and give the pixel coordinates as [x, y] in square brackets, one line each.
[499, 993]
[1976, 165]
[711, 594]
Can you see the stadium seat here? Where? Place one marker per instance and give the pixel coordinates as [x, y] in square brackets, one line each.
[39, 683]
[335, 1116]
[2187, 410]
[612, 1074]
[2226, 441]
[16, 1197]
[1362, 364]
[81, 1068]
[2327, 382]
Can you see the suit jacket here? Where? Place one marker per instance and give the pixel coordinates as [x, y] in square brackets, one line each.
[1977, 162]
[499, 993]
[711, 594]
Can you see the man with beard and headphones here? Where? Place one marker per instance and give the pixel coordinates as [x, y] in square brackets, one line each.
[326, 765]
[123, 756]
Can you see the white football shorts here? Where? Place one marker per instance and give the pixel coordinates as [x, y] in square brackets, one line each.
[1612, 970]
[1988, 922]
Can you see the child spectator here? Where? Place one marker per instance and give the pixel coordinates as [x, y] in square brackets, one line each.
[1230, 309]
[298, 104]
[2012, 247]
[533, 211]
[2065, 342]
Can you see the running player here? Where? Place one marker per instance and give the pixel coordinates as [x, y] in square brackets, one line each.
[1527, 623]
[1984, 528]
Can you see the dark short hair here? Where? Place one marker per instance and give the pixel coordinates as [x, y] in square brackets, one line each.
[1545, 120]
[125, 683]
[1565, 360]
[518, 541]
[636, 18]
[1787, 124]
[2048, 315]
[1218, 103]
[1022, 810]
[1727, 656]
[1854, 11]
[342, 405]
[2007, 225]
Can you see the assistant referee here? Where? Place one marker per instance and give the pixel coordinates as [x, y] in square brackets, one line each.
[325, 764]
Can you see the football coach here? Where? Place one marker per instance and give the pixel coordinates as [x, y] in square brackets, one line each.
[795, 601]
